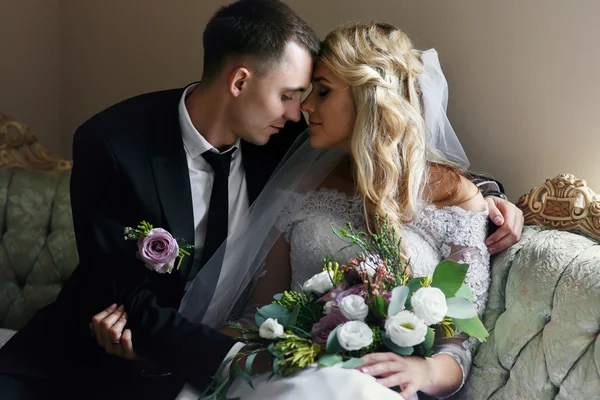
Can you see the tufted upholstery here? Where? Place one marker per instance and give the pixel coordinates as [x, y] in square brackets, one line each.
[543, 315]
[37, 243]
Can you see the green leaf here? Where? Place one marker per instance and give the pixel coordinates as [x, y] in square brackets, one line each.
[381, 303]
[271, 349]
[403, 351]
[291, 322]
[429, 338]
[249, 362]
[472, 327]
[464, 292]
[449, 277]
[333, 344]
[399, 296]
[413, 285]
[309, 314]
[352, 363]
[275, 311]
[459, 307]
[278, 297]
[329, 360]
[238, 371]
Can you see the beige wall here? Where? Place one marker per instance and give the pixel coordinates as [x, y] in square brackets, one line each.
[30, 66]
[114, 49]
[524, 75]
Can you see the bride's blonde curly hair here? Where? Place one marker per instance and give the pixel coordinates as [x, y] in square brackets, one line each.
[388, 145]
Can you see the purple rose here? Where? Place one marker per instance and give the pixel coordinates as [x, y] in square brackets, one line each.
[334, 292]
[358, 290]
[329, 322]
[158, 251]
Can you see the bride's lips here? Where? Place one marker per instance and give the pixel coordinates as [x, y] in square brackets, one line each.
[314, 124]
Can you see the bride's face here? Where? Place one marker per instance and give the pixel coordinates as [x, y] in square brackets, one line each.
[331, 110]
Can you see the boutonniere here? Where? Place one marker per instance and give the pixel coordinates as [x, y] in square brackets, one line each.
[157, 248]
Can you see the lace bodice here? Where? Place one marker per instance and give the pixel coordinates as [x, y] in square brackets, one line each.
[436, 234]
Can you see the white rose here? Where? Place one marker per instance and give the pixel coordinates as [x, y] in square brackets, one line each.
[406, 329]
[354, 335]
[369, 265]
[270, 329]
[429, 304]
[354, 307]
[319, 283]
[327, 307]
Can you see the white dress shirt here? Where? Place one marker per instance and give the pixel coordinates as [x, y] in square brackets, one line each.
[202, 178]
[201, 182]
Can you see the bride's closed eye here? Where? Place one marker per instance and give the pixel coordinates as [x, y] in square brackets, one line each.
[322, 93]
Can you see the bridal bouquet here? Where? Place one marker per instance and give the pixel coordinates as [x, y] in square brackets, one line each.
[368, 304]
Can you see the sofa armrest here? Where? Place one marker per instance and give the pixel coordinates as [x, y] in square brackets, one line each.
[542, 312]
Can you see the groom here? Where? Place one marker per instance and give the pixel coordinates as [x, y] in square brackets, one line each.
[190, 161]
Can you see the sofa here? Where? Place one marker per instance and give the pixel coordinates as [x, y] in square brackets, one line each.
[543, 312]
[37, 242]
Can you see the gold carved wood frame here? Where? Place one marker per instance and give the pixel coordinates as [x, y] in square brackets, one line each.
[564, 203]
[19, 147]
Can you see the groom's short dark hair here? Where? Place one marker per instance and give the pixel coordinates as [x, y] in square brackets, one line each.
[260, 29]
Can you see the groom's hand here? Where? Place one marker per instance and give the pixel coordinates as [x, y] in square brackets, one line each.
[509, 219]
[108, 328]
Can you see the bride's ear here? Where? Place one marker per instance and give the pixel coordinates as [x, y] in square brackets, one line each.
[238, 81]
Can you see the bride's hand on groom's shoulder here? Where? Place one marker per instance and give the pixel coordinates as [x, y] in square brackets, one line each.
[108, 328]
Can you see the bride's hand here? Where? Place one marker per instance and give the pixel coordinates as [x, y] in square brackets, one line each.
[411, 374]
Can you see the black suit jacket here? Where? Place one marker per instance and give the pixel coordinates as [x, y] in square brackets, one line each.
[129, 165]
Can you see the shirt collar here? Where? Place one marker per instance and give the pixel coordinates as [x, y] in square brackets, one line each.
[195, 144]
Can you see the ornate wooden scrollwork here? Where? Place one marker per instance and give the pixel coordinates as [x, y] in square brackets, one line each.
[19, 147]
[564, 202]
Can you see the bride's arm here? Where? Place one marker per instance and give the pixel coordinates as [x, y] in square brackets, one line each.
[450, 365]
[275, 278]
[445, 372]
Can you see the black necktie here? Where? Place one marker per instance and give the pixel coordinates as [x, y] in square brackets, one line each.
[218, 208]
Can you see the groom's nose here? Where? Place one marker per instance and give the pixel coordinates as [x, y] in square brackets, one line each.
[292, 113]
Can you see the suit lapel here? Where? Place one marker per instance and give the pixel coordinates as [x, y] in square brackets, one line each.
[171, 174]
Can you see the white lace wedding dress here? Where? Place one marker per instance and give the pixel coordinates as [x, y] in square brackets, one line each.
[449, 232]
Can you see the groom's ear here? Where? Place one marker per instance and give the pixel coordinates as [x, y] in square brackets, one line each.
[238, 80]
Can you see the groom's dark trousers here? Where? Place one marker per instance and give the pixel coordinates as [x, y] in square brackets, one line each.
[129, 166]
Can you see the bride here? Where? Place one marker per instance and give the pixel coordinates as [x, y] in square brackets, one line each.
[383, 147]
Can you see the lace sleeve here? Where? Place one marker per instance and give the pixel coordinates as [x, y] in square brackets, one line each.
[462, 235]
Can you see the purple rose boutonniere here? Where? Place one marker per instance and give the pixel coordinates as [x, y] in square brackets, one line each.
[157, 248]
